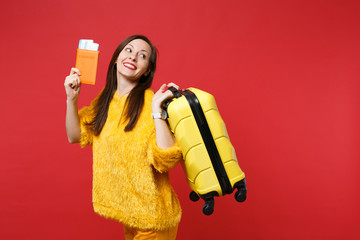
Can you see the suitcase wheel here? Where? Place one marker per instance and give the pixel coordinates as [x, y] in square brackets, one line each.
[240, 195]
[208, 207]
[194, 197]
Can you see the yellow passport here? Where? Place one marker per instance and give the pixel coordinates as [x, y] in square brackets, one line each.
[86, 62]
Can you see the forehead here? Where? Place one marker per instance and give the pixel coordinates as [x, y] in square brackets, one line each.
[140, 44]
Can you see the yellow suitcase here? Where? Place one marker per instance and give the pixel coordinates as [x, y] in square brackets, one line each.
[210, 163]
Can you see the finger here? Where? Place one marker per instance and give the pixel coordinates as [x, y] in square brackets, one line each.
[173, 85]
[163, 88]
[75, 71]
[74, 75]
[166, 95]
[73, 83]
[78, 88]
[160, 98]
[67, 81]
[78, 83]
[70, 78]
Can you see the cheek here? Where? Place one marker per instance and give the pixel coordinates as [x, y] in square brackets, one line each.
[119, 58]
[122, 56]
[145, 66]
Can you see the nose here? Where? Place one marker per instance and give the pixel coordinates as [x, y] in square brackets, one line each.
[133, 57]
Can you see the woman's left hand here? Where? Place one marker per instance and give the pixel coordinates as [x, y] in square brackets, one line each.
[161, 95]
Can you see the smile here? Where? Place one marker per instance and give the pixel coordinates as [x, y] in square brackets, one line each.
[130, 66]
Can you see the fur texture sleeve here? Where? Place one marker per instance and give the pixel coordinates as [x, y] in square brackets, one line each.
[86, 115]
[86, 136]
[163, 159]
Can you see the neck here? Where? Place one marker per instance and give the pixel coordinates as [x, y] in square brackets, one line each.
[124, 85]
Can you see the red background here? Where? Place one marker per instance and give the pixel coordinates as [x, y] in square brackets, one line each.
[285, 75]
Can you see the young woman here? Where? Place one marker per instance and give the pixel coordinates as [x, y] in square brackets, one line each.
[133, 149]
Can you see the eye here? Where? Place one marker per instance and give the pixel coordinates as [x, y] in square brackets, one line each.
[128, 50]
[143, 56]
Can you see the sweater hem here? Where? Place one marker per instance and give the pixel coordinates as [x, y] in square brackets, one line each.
[134, 222]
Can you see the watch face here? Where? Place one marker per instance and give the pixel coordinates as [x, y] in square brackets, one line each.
[164, 114]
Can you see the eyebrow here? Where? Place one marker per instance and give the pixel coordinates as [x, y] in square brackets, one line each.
[140, 50]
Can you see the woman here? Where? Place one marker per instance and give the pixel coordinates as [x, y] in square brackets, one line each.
[132, 153]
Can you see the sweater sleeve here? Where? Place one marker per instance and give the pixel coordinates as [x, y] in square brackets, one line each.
[163, 159]
[86, 135]
[86, 115]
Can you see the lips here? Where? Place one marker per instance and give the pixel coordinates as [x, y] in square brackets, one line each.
[129, 66]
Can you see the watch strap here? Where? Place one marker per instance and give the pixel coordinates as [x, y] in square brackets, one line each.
[156, 115]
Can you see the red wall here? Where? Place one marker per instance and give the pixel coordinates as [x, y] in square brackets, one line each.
[285, 75]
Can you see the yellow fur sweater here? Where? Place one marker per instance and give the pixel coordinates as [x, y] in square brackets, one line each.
[130, 172]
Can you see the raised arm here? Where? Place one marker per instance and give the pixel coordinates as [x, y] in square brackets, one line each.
[72, 88]
[164, 137]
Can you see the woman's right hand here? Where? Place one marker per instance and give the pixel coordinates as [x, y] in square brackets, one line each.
[72, 84]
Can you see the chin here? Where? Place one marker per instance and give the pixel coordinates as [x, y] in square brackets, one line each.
[131, 78]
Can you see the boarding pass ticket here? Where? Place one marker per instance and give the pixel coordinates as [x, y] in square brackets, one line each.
[88, 44]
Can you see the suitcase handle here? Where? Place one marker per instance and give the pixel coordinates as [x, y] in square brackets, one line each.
[175, 92]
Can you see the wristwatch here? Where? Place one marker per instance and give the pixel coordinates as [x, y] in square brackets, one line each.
[163, 115]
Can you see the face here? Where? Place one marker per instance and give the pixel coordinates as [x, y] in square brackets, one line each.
[133, 60]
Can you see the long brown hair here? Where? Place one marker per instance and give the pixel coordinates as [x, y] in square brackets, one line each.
[135, 100]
